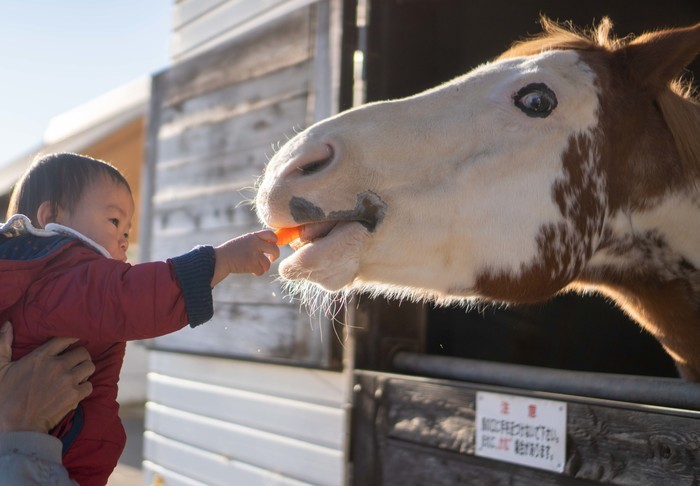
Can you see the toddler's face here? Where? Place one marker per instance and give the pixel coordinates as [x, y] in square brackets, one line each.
[104, 215]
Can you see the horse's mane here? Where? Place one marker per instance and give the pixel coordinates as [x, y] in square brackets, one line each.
[679, 103]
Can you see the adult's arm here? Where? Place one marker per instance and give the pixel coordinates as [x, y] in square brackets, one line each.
[35, 393]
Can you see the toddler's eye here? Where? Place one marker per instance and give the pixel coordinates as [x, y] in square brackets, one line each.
[114, 221]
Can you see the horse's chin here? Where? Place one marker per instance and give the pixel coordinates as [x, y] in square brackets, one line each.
[332, 261]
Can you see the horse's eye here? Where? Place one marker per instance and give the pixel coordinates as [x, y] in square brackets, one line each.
[536, 100]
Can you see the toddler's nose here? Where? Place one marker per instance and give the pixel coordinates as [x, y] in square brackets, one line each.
[123, 245]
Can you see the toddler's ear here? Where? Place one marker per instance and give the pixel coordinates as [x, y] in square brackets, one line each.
[45, 214]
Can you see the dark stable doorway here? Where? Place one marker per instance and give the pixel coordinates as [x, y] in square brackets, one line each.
[416, 44]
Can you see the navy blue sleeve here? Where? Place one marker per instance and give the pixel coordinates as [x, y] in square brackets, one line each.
[194, 271]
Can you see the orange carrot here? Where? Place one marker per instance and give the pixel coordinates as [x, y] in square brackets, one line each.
[286, 235]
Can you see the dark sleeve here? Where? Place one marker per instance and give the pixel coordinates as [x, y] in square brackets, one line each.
[194, 271]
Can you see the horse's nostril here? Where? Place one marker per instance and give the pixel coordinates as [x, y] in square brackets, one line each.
[318, 165]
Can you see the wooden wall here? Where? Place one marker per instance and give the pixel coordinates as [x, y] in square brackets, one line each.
[410, 430]
[215, 121]
[199, 25]
[215, 415]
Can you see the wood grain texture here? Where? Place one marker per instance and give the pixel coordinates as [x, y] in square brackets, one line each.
[251, 331]
[285, 42]
[225, 130]
[215, 119]
[218, 117]
[413, 423]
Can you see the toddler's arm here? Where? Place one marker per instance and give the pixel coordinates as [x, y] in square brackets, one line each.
[250, 253]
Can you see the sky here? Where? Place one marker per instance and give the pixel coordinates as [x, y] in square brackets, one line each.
[57, 54]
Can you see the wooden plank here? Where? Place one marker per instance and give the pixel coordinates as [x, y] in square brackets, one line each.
[275, 333]
[288, 457]
[264, 128]
[606, 443]
[303, 384]
[410, 464]
[148, 176]
[212, 216]
[625, 447]
[236, 100]
[204, 25]
[236, 172]
[184, 46]
[284, 42]
[186, 11]
[442, 416]
[218, 117]
[315, 424]
[189, 466]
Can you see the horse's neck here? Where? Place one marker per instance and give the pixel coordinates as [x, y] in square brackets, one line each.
[650, 265]
[669, 311]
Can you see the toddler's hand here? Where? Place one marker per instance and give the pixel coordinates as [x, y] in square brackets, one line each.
[250, 253]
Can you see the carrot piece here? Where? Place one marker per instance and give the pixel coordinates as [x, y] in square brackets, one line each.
[286, 235]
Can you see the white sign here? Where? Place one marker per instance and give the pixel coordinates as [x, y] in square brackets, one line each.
[521, 430]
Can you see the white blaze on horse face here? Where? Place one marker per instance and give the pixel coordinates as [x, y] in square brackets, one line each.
[467, 177]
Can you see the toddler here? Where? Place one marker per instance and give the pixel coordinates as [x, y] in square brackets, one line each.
[63, 272]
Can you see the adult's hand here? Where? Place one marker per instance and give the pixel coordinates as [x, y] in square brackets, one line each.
[38, 390]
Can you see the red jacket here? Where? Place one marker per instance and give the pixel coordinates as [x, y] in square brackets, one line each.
[57, 286]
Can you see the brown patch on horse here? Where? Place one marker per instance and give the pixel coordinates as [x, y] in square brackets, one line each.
[640, 159]
[565, 246]
[581, 194]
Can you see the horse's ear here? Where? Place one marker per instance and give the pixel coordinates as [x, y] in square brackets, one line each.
[657, 58]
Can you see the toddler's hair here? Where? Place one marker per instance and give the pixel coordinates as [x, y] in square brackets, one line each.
[61, 179]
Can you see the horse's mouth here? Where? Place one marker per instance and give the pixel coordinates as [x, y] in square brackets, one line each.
[311, 232]
[315, 224]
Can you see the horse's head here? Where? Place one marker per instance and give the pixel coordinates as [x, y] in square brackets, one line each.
[496, 184]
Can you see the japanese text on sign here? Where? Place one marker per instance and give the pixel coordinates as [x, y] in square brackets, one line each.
[521, 430]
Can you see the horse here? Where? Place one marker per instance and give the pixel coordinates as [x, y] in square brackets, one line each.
[571, 162]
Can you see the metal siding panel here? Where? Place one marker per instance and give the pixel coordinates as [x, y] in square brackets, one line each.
[207, 24]
[304, 384]
[198, 411]
[229, 442]
[300, 420]
[182, 465]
